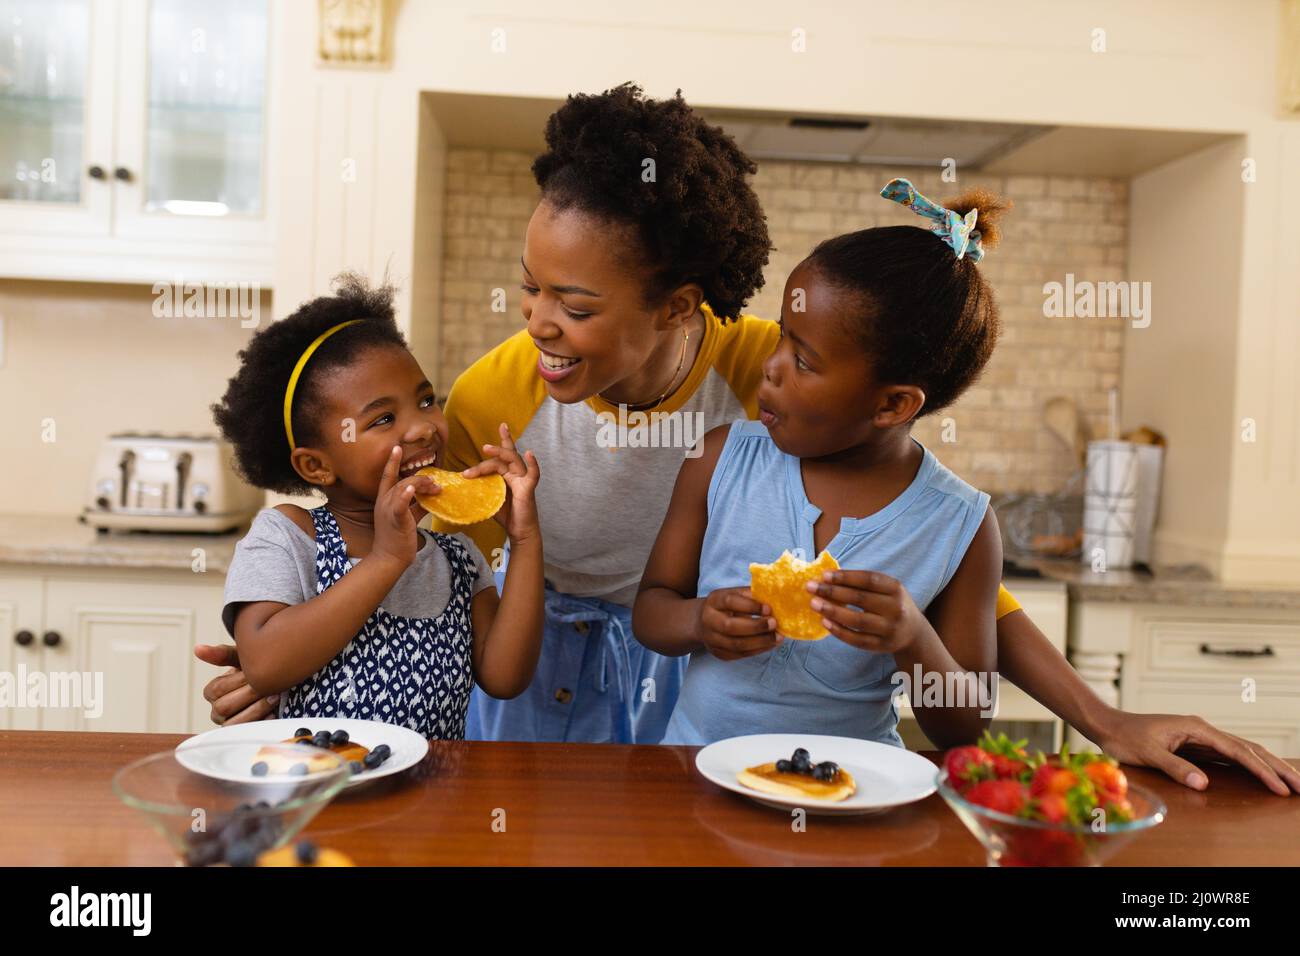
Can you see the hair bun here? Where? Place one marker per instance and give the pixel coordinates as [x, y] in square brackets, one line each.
[991, 207]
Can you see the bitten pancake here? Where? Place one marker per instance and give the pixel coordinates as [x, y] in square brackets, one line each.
[463, 500]
[768, 779]
[783, 586]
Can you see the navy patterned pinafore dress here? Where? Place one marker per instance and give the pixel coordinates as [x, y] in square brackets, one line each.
[412, 672]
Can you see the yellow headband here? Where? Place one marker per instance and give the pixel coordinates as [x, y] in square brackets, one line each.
[297, 372]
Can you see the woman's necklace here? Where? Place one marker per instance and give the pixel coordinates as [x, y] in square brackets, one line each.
[646, 406]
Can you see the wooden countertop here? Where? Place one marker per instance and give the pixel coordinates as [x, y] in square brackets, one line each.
[583, 804]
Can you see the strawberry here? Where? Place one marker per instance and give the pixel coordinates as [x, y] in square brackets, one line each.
[1107, 778]
[967, 765]
[1004, 796]
[1119, 810]
[1051, 808]
[1009, 758]
[1052, 779]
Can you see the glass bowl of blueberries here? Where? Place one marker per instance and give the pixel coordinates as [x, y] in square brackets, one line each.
[214, 804]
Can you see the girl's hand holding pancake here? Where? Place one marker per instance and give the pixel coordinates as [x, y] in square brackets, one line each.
[521, 474]
[395, 519]
[733, 625]
[866, 609]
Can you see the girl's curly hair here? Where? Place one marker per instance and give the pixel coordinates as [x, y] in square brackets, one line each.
[697, 219]
[251, 413]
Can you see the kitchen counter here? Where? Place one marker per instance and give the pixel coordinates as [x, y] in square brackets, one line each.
[64, 541]
[584, 804]
[1187, 585]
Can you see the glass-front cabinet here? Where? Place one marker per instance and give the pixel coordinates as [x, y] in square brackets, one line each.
[134, 139]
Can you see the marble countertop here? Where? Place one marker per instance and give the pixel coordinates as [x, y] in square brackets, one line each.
[63, 540]
[1183, 584]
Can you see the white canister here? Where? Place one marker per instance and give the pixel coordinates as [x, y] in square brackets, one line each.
[1110, 504]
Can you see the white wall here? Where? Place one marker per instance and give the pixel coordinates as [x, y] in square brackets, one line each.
[1202, 65]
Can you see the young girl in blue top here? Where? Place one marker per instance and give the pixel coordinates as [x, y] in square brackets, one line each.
[878, 327]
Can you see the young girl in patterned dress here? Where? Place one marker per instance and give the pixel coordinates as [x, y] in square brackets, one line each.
[349, 609]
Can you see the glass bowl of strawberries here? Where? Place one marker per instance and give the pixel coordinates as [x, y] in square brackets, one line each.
[1046, 810]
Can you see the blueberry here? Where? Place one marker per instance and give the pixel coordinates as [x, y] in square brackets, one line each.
[302, 732]
[260, 768]
[784, 766]
[799, 754]
[322, 738]
[372, 760]
[306, 741]
[298, 770]
[356, 766]
[306, 852]
[384, 751]
[824, 772]
[241, 853]
[799, 760]
[204, 853]
[831, 765]
[339, 738]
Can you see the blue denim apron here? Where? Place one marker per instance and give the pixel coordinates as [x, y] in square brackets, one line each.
[595, 683]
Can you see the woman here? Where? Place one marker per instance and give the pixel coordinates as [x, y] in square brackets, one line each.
[647, 242]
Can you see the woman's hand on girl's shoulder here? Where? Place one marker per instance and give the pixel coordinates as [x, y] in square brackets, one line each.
[521, 473]
[867, 609]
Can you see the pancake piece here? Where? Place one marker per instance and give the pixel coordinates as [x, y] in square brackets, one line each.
[463, 500]
[278, 762]
[782, 585]
[768, 779]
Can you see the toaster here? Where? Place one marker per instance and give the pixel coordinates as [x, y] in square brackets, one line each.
[148, 481]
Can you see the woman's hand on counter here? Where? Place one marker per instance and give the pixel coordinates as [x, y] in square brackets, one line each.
[232, 700]
[1154, 740]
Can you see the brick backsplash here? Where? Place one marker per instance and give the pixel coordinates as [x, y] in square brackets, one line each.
[1059, 225]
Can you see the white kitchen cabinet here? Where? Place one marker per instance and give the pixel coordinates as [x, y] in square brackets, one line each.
[22, 603]
[133, 140]
[1237, 667]
[125, 637]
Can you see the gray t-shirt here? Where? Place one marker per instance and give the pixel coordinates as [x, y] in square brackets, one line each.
[276, 561]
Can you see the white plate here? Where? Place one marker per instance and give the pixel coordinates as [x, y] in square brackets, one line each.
[408, 747]
[886, 776]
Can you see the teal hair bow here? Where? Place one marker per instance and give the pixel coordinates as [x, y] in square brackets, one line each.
[956, 230]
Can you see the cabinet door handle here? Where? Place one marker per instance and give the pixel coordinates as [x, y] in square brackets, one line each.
[122, 173]
[52, 638]
[95, 172]
[23, 638]
[1264, 651]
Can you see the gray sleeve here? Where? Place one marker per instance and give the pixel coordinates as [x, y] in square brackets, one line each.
[268, 565]
[484, 578]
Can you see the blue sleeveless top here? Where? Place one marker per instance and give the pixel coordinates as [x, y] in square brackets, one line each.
[757, 509]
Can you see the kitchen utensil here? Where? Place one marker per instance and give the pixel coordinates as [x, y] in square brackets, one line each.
[886, 776]
[1110, 503]
[207, 818]
[1015, 841]
[149, 481]
[408, 748]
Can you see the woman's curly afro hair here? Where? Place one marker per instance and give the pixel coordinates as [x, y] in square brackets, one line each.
[251, 413]
[698, 220]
